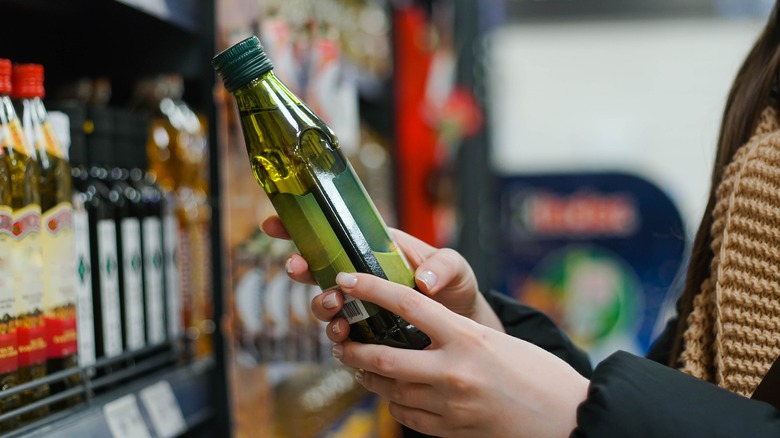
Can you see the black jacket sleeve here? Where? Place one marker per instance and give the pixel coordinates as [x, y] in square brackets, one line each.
[531, 325]
[637, 397]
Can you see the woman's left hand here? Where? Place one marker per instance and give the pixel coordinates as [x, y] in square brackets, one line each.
[472, 381]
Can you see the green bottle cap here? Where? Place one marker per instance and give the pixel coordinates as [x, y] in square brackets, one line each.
[241, 63]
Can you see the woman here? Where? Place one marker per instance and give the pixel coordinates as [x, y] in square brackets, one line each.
[496, 368]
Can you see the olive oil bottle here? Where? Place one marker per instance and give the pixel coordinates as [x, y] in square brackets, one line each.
[59, 292]
[83, 199]
[103, 232]
[296, 159]
[131, 141]
[127, 201]
[28, 264]
[9, 361]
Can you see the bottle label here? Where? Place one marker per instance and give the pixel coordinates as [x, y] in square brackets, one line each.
[59, 289]
[84, 307]
[154, 277]
[109, 290]
[132, 265]
[8, 351]
[28, 284]
[49, 140]
[14, 136]
[354, 310]
[172, 275]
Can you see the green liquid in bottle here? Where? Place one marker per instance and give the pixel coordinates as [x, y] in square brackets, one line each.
[296, 159]
[330, 217]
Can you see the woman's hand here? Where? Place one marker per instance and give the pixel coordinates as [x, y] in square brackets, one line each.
[442, 274]
[472, 381]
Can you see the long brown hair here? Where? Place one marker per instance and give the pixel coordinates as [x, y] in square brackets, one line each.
[751, 92]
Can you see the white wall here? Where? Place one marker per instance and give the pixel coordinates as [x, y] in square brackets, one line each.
[639, 96]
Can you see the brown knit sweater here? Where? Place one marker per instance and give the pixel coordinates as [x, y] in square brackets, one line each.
[733, 333]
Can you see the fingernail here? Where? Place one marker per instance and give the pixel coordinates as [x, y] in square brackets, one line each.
[288, 265]
[429, 278]
[337, 351]
[344, 279]
[359, 375]
[335, 328]
[330, 301]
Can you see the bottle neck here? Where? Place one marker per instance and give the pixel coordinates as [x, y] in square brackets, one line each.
[265, 92]
[11, 122]
[38, 129]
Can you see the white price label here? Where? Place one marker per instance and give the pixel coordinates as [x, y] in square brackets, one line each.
[124, 418]
[163, 409]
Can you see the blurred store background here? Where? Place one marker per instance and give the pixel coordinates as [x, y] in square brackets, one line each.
[562, 146]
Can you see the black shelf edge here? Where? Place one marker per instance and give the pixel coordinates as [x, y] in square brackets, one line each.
[182, 13]
[189, 384]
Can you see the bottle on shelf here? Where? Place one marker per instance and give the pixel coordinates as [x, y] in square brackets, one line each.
[59, 293]
[73, 139]
[130, 165]
[28, 262]
[9, 134]
[104, 158]
[314, 189]
[103, 234]
[176, 148]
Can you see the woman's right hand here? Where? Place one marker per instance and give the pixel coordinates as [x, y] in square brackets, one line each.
[440, 273]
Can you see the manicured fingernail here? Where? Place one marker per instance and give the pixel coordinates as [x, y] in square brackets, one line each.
[330, 301]
[344, 279]
[429, 278]
[288, 266]
[359, 375]
[337, 351]
[335, 328]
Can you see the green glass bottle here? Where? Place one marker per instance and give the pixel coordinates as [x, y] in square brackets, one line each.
[296, 159]
[55, 187]
[9, 360]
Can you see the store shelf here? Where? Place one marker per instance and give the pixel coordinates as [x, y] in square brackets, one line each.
[188, 384]
[182, 13]
[125, 41]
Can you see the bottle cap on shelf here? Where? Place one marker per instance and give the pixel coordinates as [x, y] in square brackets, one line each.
[242, 62]
[27, 81]
[5, 76]
[77, 113]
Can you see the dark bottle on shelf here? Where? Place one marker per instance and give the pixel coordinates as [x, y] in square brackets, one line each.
[147, 207]
[314, 189]
[103, 233]
[126, 200]
[28, 266]
[9, 364]
[59, 293]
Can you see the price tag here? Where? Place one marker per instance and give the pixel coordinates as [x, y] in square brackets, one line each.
[124, 418]
[163, 409]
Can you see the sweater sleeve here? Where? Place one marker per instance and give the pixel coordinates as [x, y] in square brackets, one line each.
[636, 397]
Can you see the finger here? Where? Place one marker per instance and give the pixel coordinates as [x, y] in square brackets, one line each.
[413, 395]
[338, 330]
[429, 316]
[415, 250]
[326, 305]
[298, 269]
[274, 227]
[419, 420]
[416, 366]
[445, 267]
